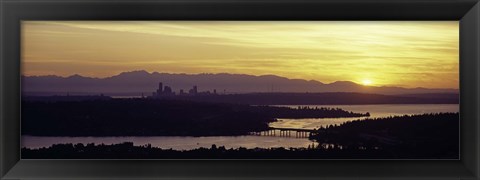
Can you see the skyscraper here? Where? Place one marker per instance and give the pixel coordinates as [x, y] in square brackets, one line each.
[160, 87]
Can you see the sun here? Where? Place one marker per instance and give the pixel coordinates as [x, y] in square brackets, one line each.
[367, 82]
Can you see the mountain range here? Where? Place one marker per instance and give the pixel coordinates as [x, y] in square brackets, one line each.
[137, 82]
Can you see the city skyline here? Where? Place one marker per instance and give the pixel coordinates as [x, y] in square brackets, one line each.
[369, 53]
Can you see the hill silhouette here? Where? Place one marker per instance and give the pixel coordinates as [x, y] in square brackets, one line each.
[150, 117]
[137, 82]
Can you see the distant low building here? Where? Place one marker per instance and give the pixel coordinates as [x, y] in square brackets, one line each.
[193, 91]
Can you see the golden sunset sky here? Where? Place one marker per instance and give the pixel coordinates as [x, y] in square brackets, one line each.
[379, 53]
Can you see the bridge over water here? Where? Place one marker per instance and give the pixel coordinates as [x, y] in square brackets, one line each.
[286, 132]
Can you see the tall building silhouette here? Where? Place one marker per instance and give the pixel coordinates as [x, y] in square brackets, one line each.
[160, 88]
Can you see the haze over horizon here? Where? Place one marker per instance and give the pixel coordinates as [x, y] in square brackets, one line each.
[406, 54]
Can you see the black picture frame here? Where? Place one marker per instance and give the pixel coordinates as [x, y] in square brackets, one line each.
[12, 12]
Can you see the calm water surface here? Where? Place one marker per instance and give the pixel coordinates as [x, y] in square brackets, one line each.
[175, 142]
[375, 111]
[185, 143]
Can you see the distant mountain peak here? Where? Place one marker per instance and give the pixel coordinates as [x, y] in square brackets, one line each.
[136, 72]
[316, 82]
[41, 76]
[344, 83]
[75, 76]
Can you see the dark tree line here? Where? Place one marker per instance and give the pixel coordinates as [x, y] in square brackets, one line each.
[306, 112]
[128, 151]
[137, 117]
[153, 117]
[410, 135]
[347, 98]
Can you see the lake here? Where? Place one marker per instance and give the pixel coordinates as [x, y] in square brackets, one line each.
[252, 141]
[375, 111]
